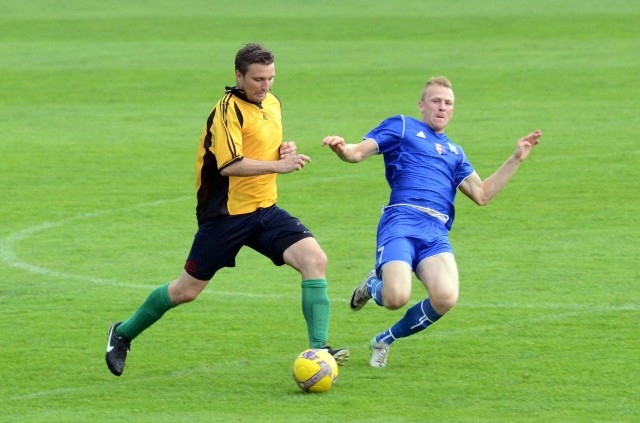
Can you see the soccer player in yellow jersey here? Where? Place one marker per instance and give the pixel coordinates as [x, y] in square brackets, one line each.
[239, 156]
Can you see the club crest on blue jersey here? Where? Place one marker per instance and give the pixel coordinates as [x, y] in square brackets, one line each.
[440, 149]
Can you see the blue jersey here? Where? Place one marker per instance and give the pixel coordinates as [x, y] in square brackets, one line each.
[423, 169]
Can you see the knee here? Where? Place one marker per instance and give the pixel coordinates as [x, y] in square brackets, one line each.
[321, 260]
[315, 262]
[185, 290]
[182, 296]
[187, 296]
[444, 302]
[395, 300]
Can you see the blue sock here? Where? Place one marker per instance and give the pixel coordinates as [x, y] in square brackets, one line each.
[417, 318]
[374, 286]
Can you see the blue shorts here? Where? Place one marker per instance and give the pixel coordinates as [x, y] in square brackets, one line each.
[269, 231]
[409, 235]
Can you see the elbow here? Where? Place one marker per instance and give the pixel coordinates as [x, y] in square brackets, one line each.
[480, 197]
[225, 171]
[231, 168]
[348, 158]
[355, 158]
[481, 200]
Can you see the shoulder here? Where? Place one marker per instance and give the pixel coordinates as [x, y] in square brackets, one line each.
[272, 97]
[227, 98]
[396, 118]
[271, 100]
[403, 121]
[396, 122]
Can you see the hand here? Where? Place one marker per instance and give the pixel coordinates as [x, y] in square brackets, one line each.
[351, 153]
[335, 142]
[526, 144]
[287, 148]
[292, 162]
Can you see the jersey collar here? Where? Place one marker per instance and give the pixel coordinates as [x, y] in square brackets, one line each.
[241, 95]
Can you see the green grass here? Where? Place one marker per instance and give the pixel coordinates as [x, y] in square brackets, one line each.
[102, 104]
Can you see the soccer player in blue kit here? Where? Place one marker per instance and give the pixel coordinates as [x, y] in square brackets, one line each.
[424, 168]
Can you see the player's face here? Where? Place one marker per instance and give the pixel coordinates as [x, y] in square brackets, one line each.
[436, 107]
[257, 81]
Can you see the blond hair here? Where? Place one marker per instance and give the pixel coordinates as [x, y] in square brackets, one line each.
[436, 80]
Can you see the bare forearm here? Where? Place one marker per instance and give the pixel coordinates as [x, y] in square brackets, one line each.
[349, 154]
[483, 191]
[249, 167]
[496, 182]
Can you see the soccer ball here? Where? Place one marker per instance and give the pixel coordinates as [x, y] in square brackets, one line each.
[315, 370]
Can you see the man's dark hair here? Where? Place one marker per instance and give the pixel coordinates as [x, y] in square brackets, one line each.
[253, 53]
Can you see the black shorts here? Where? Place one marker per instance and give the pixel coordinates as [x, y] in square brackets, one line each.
[269, 231]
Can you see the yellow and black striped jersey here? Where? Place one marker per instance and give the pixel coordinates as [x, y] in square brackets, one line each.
[237, 128]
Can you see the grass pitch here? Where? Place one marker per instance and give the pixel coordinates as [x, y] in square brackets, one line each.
[102, 105]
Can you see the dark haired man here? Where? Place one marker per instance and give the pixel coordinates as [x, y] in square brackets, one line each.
[239, 156]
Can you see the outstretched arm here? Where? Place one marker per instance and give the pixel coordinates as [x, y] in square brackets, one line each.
[482, 192]
[351, 153]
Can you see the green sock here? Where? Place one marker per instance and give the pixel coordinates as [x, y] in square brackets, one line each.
[315, 308]
[156, 304]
